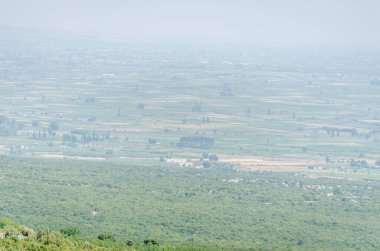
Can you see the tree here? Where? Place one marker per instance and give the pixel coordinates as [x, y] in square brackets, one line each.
[206, 164]
[90, 100]
[104, 237]
[196, 108]
[53, 126]
[35, 123]
[140, 106]
[70, 231]
[213, 157]
[151, 242]
[3, 119]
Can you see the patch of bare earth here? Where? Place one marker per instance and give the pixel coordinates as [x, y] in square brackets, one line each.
[249, 163]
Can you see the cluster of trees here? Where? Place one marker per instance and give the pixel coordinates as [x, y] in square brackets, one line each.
[364, 164]
[152, 141]
[210, 157]
[43, 132]
[359, 163]
[200, 142]
[90, 100]
[196, 108]
[332, 131]
[226, 91]
[9, 127]
[84, 136]
[207, 158]
[205, 120]
[140, 106]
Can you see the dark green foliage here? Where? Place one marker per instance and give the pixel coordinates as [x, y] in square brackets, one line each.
[151, 242]
[70, 231]
[104, 237]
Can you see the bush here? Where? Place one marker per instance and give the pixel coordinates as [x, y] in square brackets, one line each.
[27, 232]
[35, 123]
[206, 164]
[70, 231]
[213, 157]
[53, 126]
[140, 106]
[359, 164]
[151, 242]
[104, 237]
[11, 231]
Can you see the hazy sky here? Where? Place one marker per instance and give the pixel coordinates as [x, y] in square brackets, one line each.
[287, 21]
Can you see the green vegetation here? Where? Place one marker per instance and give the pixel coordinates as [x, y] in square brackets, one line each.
[217, 206]
[21, 238]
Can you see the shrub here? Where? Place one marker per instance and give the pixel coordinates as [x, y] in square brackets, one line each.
[27, 232]
[53, 126]
[11, 231]
[151, 242]
[70, 231]
[104, 237]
